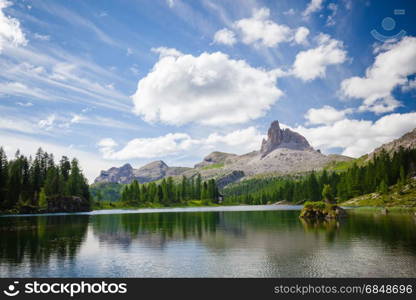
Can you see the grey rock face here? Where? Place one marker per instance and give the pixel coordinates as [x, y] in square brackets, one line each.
[283, 152]
[407, 141]
[150, 172]
[282, 138]
[124, 174]
[231, 177]
[215, 158]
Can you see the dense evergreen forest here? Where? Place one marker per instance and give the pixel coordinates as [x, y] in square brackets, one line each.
[28, 184]
[167, 192]
[106, 191]
[377, 175]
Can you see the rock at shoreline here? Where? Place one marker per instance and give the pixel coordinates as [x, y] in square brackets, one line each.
[322, 210]
[67, 204]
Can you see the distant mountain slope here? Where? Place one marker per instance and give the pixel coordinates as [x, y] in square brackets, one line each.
[283, 152]
[407, 141]
[150, 172]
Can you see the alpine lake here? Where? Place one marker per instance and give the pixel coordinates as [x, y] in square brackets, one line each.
[237, 241]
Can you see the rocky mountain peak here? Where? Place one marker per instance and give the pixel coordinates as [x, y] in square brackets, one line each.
[126, 167]
[155, 164]
[282, 138]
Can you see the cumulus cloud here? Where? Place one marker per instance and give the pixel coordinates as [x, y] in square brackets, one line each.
[392, 65]
[325, 115]
[239, 141]
[313, 6]
[209, 89]
[312, 63]
[410, 85]
[301, 35]
[260, 29]
[10, 31]
[225, 36]
[358, 137]
[164, 51]
[170, 144]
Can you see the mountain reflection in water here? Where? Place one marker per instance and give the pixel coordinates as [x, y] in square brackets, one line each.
[272, 243]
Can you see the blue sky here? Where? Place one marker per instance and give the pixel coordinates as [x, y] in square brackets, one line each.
[135, 81]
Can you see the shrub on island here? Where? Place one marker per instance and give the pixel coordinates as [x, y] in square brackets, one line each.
[321, 210]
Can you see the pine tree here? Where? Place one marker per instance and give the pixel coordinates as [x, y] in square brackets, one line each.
[75, 180]
[327, 193]
[42, 199]
[65, 167]
[383, 188]
[3, 177]
[184, 189]
[15, 184]
[198, 189]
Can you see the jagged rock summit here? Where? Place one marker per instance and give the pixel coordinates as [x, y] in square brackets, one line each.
[282, 138]
[124, 174]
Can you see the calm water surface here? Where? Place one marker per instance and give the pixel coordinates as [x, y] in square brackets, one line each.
[244, 241]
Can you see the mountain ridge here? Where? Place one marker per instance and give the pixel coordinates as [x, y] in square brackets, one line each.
[407, 141]
[283, 152]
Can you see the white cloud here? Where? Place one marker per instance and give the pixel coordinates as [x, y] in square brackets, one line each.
[57, 75]
[164, 51]
[134, 69]
[289, 12]
[239, 141]
[19, 125]
[325, 115]
[410, 85]
[25, 104]
[47, 123]
[313, 6]
[358, 137]
[170, 3]
[107, 143]
[225, 36]
[22, 90]
[330, 20]
[41, 37]
[77, 118]
[209, 89]
[259, 29]
[312, 63]
[10, 31]
[390, 69]
[170, 144]
[129, 51]
[301, 35]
